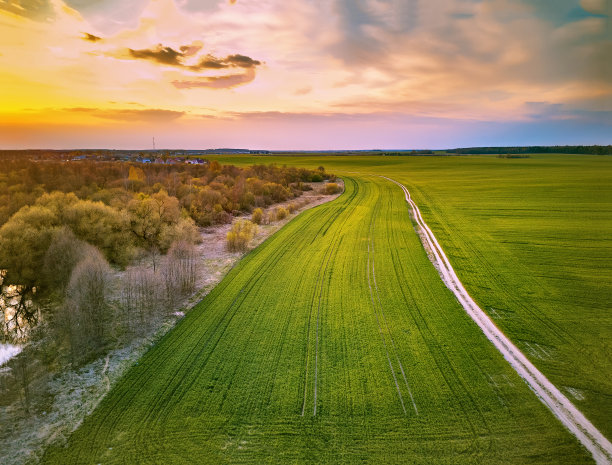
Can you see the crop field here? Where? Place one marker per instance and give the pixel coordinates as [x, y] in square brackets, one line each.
[531, 241]
[335, 341]
[534, 245]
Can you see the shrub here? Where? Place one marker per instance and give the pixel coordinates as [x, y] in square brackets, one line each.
[316, 178]
[240, 235]
[280, 213]
[292, 207]
[257, 216]
[332, 188]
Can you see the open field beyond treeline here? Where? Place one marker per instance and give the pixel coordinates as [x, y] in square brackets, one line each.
[336, 341]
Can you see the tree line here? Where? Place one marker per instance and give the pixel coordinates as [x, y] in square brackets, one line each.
[209, 194]
[575, 149]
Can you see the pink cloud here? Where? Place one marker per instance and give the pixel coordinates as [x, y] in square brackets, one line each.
[216, 82]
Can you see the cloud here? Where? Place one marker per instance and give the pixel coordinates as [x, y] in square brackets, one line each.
[109, 16]
[544, 110]
[190, 50]
[90, 37]
[177, 58]
[169, 56]
[216, 82]
[128, 114]
[597, 7]
[231, 61]
[463, 59]
[242, 61]
[159, 54]
[37, 10]
[210, 62]
[303, 90]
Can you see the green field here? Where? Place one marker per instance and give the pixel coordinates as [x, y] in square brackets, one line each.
[531, 239]
[335, 342]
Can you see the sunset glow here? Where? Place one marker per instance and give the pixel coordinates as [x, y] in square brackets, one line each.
[297, 74]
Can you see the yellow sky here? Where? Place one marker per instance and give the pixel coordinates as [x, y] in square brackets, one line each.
[233, 73]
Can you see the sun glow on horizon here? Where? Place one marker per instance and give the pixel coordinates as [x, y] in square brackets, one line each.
[319, 74]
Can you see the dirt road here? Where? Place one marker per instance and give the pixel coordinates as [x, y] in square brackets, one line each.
[556, 401]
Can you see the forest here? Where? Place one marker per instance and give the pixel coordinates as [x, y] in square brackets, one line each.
[65, 224]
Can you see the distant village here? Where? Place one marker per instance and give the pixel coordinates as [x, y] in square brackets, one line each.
[162, 159]
[165, 157]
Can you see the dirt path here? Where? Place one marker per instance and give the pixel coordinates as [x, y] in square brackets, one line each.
[558, 403]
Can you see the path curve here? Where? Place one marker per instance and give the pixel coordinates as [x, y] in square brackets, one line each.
[555, 400]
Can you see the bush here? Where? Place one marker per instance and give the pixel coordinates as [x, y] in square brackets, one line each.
[316, 178]
[240, 235]
[332, 188]
[280, 213]
[257, 216]
[292, 207]
[267, 218]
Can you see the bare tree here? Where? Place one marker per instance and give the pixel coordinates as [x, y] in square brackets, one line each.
[141, 300]
[180, 271]
[22, 373]
[87, 307]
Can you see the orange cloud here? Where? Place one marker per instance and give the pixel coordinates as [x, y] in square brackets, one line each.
[150, 114]
[90, 37]
[217, 82]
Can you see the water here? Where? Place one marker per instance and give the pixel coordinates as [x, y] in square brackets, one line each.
[7, 352]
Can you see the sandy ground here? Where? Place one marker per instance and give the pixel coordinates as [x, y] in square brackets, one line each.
[552, 397]
[77, 393]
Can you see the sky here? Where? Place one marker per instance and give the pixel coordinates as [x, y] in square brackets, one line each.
[304, 74]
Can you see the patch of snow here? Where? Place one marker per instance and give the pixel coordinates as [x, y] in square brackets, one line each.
[7, 352]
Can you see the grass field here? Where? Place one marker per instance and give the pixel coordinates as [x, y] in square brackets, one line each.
[531, 239]
[333, 342]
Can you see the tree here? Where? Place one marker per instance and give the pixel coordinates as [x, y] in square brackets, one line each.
[141, 300]
[180, 271]
[102, 226]
[151, 219]
[63, 254]
[87, 307]
[257, 216]
[136, 174]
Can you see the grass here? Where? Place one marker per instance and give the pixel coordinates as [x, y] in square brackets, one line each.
[531, 240]
[335, 341]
